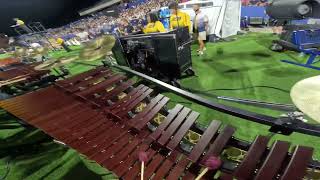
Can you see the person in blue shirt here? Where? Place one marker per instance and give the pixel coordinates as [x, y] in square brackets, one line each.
[200, 27]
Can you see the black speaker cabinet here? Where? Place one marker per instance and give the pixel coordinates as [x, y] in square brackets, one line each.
[168, 54]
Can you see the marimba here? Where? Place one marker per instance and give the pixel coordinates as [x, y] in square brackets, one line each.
[9, 63]
[23, 78]
[111, 119]
[21, 70]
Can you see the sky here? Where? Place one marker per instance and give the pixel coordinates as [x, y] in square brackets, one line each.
[51, 13]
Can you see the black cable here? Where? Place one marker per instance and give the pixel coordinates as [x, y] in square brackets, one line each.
[211, 95]
[206, 93]
[181, 102]
[249, 87]
[237, 89]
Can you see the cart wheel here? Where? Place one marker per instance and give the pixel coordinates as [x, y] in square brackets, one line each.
[175, 83]
[277, 47]
[190, 72]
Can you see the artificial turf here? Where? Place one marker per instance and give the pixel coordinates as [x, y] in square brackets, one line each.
[3, 56]
[240, 65]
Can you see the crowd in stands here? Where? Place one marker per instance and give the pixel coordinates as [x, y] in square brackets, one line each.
[254, 2]
[132, 14]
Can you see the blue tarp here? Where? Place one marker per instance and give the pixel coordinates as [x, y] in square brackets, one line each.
[254, 11]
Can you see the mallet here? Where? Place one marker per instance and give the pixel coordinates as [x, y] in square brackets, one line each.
[211, 163]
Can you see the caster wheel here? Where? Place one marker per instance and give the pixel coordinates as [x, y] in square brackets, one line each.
[190, 72]
[277, 47]
[175, 84]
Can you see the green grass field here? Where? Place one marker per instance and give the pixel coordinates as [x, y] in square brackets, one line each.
[243, 63]
[3, 56]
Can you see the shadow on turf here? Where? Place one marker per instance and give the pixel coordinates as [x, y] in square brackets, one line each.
[261, 54]
[230, 70]
[81, 172]
[243, 56]
[283, 72]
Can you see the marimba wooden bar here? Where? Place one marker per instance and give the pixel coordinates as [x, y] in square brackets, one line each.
[108, 118]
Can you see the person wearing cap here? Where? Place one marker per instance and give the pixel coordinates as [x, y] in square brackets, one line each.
[154, 25]
[20, 23]
[61, 42]
[178, 18]
[200, 27]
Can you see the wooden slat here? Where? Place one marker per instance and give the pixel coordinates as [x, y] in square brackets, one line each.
[225, 176]
[124, 166]
[76, 126]
[174, 126]
[78, 78]
[101, 140]
[11, 73]
[118, 104]
[98, 127]
[69, 121]
[34, 110]
[122, 106]
[183, 130]
[56, 125]
[122, 155]
[99, 133]
[102, 85]
[152, 166]
[55, 113]
[273, 162]
[62, 133]
[134, 103]
[189, 176]
[179, 168]
[220, 142]
[21, 102]
[122, 87]
[163, 170]
[95, 138]
[93, 149]
[102, 156]
[147, 109]
[172, 115]
[143, 121]
[298, 163]
[66, 122]
[78, 139]
[248, 165]
[206, 137]
[17, 100]
[135, 170]
[88, 82]
[79, 132]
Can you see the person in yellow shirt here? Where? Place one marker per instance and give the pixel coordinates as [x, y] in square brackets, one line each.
[61, 42]
[21, 24]
[154, 25]
[178, 18]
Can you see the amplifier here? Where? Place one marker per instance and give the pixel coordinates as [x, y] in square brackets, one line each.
[159, 54]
